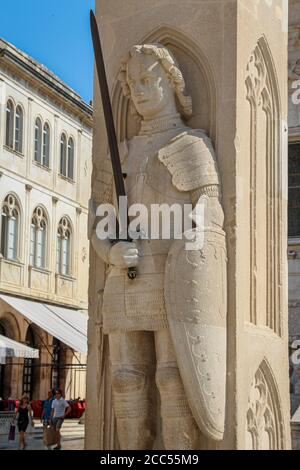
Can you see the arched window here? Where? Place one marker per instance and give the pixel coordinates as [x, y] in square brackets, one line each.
[71, 151]
[46, 145]
[10, 228]
[38, 239]
[9, 136]
[19, 130]
[38, 141]
[63, 250]
[63, 155]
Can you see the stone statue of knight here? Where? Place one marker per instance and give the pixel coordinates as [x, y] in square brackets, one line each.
[167, 328]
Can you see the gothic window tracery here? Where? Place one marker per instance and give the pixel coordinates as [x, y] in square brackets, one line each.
[63, 251]
[38, 238]
[10, 220]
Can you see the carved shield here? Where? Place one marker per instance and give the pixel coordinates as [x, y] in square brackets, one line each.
[196, 302]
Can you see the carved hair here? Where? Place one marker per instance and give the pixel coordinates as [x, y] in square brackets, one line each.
[169, 63]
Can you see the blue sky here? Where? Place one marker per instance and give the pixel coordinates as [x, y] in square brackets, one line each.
[56, 33]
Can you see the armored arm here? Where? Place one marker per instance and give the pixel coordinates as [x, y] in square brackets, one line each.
[214, 215]
[191, 161]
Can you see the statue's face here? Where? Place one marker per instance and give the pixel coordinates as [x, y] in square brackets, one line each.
[150, 87]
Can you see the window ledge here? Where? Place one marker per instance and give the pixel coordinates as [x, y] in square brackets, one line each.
[40, 270]
[43, 167]
[11, 261]
[15, 152]
[65, 276]
[66, 178]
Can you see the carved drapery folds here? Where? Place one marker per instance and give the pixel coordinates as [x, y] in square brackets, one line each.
[264, 189]
[264, 424]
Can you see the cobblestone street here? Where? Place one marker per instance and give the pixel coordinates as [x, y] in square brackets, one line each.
[72, 438]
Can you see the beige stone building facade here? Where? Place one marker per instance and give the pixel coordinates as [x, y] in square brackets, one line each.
[45, 166]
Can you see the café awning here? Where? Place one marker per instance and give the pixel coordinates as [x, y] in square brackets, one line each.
[11, 348]
[65, 324]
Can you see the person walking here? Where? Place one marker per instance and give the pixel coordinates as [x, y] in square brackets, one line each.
[60, 409]
[23, 417]
[47, 408]
[46, 417]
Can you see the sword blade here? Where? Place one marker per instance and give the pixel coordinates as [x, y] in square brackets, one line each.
[108, 115]
[109, 122]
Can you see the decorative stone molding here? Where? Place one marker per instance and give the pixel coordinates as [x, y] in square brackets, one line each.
[263, 96]
[39, 279]
[11, 206]
[11, 273]
[64, 286]
[84, 254]
[294, 50]
[39, 218]
[264, 429]
[64, 228]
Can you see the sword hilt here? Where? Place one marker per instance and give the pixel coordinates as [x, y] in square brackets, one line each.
[132, 273]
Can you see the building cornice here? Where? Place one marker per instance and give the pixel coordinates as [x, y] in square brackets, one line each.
[50, 83]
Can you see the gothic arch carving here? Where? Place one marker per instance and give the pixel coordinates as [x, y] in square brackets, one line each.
[263, 97]
[193, 62]
[264, 423]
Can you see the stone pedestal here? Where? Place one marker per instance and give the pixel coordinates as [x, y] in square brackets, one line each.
[233, 55]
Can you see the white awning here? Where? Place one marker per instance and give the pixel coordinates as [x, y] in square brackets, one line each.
[11, 348]
[65, 324]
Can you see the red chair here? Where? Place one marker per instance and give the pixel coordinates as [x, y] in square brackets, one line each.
[82, 408]
[77, 409]
[32, 404]
[37, 408]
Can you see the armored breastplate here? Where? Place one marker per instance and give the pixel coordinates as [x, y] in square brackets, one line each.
[148, 181]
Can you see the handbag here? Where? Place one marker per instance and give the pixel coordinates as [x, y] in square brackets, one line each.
[12, 432]
[49, 435]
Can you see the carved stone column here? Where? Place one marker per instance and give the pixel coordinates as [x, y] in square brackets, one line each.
[233, 56]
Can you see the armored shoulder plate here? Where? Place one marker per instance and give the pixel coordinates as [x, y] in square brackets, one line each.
[190, 159]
